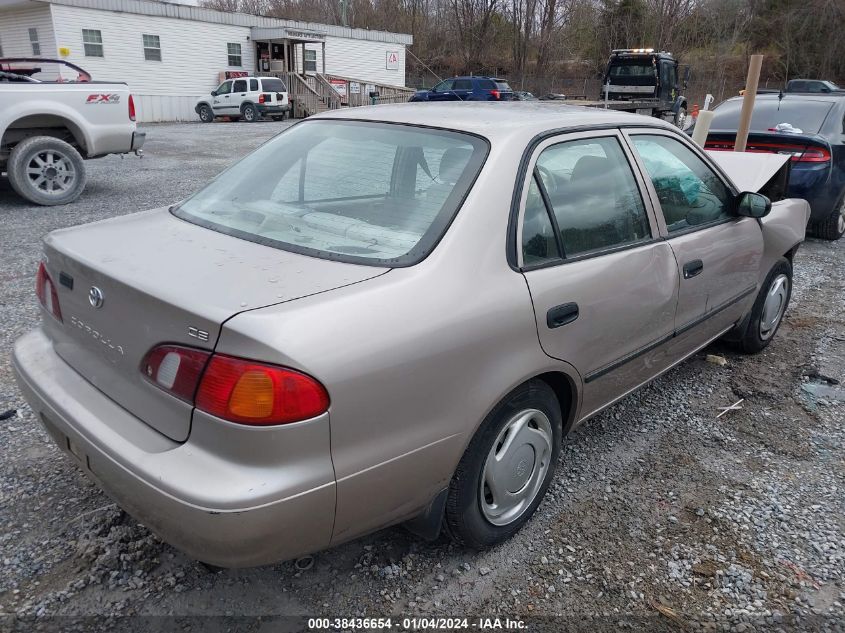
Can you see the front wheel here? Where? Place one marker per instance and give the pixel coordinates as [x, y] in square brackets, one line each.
[506, 468]
[249, 113]
[206, 115]
[833, 226]
[46, 171]
[769, 308]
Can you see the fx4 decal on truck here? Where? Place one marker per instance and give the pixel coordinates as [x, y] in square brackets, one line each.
[111, 98]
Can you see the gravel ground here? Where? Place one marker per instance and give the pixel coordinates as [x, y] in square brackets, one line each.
[661, 516]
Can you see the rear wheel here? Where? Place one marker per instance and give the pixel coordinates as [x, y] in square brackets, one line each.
[506, 468]
[769, 308]
[46, 171]
[249, 113]
[681, 118]
[833, 226]
[206, 115]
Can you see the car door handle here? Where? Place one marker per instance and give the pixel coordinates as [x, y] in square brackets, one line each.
[693, 268]
[561, 315]
[227, 96]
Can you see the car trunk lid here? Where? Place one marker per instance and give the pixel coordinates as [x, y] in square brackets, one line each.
[159, 280]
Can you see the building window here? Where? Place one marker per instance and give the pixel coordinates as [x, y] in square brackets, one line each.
[310, 61]
[33, 40]
[92, 42]
[152, 48]
[234, 51]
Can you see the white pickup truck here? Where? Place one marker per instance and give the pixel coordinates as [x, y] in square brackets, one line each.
[47, 128]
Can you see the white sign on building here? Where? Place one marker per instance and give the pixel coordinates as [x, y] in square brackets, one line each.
[392, 60]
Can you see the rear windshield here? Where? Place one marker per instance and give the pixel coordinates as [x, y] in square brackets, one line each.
[273, 85]
[503, 85]
[805, 115]
[354, 191]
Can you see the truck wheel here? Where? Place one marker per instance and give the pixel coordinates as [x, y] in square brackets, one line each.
[46, 171]
[681, 118]
[250, 114]
[833, 226]
[206, 115]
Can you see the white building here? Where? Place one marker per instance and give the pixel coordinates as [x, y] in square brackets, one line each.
[170, 54]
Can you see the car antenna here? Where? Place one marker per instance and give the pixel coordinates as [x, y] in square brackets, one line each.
[780, 98]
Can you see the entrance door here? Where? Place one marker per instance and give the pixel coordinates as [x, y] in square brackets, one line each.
[718, 253]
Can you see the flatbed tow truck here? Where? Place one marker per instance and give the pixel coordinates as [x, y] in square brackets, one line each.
[646, 82]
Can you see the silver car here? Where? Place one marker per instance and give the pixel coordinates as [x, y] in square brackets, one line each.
[392, 314]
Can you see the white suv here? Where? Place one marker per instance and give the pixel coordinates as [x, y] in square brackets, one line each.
[247, 98]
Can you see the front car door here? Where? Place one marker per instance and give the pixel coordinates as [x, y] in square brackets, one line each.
[442, 91]
[239, 92]
[604, 286]
[221, 99]
[718, 253]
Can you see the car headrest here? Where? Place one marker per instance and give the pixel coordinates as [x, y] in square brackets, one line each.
[452, 164]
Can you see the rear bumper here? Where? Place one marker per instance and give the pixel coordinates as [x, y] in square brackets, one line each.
[273, 109]
[229, 496]
[138, 139]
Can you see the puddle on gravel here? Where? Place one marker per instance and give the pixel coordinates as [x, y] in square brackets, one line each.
[824, 390]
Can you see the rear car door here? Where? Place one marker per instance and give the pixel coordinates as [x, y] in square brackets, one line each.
[604, 286]
[221, 100]
[462, 90]
[718, 253]
[239, 95]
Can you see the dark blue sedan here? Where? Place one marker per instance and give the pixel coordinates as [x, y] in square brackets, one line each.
[473, 88]
[810, 128]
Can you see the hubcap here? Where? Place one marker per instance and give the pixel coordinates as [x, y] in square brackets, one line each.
[516, 467]
[51, 172]
[840, 223]
[774, 306]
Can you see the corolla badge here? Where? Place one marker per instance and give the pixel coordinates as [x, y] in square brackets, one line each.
[95, 297]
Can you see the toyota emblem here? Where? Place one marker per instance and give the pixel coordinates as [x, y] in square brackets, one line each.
[95, 297]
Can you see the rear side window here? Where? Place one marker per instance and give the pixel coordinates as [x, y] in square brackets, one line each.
[273, 85]
[240, 85]
[486, 84]
[690, 193]
[802, 114]
[355, 191]
[503, 85]
[539, 243]
[463, 84]
[593, 195]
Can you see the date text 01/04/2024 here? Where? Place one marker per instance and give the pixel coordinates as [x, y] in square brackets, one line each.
[416, 624]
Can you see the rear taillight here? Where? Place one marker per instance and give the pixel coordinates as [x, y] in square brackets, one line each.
[131, 108]
[175, 369]
[253, 393]
[496, 94]
[46, 291]
[235, 389]
[798, 153]
[262, 98]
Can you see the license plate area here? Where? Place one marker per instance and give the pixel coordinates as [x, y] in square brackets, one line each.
[78, 453]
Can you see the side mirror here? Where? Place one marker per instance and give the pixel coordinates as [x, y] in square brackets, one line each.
[753, 205]
[213, 93]
[825, 89]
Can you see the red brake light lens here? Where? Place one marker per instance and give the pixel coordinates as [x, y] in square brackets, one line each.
[46, 291]
[798, 153]
[131, 108]
[496, 94]
[175, 369]
[253, 393]
[261, 98]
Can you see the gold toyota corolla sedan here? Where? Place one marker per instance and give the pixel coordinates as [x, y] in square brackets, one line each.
[392, 314]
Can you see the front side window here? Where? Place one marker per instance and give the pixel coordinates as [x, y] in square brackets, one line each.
[152, 48]
[92, 42]
[593, 195]
[690, 193]
[234, 54]
[224, 88]
[444, 86]
[355, 191]
[33, 41]
[310, 61]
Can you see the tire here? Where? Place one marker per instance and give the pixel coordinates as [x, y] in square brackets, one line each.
[249, 113]
[833, 226]
[768, 309]
[473, 516]
[46, 171]
[680, 119]
[206, 114]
